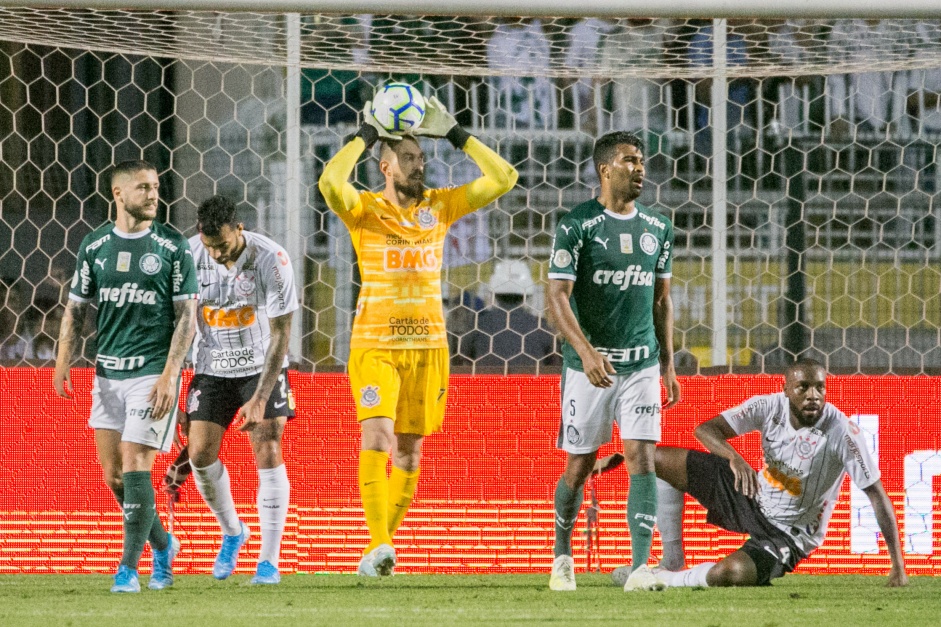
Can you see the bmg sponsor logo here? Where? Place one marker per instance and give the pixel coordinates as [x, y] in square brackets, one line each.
[410, 259]
[228, 318]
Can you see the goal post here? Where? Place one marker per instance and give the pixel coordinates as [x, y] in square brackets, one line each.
[796, 157]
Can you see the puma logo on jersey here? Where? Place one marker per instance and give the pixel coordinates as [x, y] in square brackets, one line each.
[603, 242]
[565, 228]
[101, 262]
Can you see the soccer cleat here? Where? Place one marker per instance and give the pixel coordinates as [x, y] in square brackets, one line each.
[162, 576]
[563, 574]
[229, 553]
[383, 560]
[643, 578]
[366, 568]
[125, 580]
[266, 574]
[620, 574]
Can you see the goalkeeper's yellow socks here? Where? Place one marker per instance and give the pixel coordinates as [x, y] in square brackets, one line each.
[641, 516]
[159, 538]
[402, 484]
[374, 491]
[567, 503]
[139, 511]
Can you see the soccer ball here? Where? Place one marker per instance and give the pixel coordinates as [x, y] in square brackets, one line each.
[398, 107]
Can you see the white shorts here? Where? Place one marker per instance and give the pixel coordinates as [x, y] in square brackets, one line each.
[589, 412]
[122, 406]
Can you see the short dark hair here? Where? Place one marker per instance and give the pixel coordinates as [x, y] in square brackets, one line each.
[804, 364]
[606, 146]
[214, 213]
[390, 144]
[132, 166]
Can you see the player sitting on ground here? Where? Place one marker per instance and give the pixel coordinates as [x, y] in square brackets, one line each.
[809, 445]
[140, 274]
[399, 350]
[247, 298]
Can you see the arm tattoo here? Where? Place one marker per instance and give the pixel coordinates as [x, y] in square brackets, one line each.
[70, 331]
[185, 312]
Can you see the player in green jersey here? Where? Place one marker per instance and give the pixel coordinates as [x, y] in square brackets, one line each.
[609, 295]
[141, 275]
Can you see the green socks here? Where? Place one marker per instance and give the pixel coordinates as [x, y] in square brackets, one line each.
[139, 512]
[567, 504]
[159, 538]
[641, 516]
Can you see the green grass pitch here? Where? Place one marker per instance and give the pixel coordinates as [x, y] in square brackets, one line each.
[340, 600]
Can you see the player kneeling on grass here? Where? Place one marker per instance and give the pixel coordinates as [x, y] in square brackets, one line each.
[809, 445]
[247, 298]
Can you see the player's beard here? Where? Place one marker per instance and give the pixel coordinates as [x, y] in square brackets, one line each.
[142, 212]
[413, 187]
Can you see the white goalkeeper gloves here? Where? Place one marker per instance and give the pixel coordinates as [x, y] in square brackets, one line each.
[371, 130]
[437, 121]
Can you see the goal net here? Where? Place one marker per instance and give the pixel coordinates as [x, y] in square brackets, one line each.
[797, 159]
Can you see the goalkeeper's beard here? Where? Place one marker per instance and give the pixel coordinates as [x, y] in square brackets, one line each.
[411, 188]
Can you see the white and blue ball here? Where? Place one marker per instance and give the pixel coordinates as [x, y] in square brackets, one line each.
[398, 107]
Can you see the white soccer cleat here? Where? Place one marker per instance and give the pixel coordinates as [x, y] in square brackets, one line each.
[383, 560]
[563, 574]
[644, 578]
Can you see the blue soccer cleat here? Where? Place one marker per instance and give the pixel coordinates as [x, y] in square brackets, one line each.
[266, 574]
[229, 553]
[162, 576]
[126, 580]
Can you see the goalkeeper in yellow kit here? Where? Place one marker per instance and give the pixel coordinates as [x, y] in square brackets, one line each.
[398, 351]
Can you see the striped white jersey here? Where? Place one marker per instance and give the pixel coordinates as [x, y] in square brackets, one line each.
[233, 333]
[804, 468]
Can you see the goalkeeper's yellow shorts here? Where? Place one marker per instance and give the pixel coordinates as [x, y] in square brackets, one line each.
[408, 385]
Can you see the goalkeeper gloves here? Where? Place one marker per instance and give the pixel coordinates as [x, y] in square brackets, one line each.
[438, 122]
[371, 130]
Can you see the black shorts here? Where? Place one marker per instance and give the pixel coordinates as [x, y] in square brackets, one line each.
[712, 483]
[216, 399]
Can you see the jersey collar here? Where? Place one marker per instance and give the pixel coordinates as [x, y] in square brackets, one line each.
[137, 235]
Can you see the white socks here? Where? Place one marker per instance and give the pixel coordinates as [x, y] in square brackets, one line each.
[213, 484]
[670, 524]
[274, 491]
[693, 578]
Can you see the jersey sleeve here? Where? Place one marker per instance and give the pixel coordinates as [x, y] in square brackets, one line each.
[565, 249]
[84, 285]
[665, 260]
[280, 293]
[857, 460]
[498, 177]
[185, 284]
[339, 194]
[453, 202]
[750, 415]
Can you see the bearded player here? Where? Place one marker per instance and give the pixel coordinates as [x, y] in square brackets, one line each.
[140, 273]
[247, 298]
[398, 351]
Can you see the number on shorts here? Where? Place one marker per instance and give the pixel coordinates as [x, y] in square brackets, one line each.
[572, 407]
[284, 385]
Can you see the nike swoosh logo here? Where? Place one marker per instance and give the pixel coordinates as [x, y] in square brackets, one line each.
[280, 405]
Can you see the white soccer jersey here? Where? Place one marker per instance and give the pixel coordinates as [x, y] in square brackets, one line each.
[804, 468]
[235, 305]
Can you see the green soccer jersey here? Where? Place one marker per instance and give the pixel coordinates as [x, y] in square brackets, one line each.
[613, 260]
[135, 279]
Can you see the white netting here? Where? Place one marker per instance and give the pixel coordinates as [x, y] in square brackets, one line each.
[834, 232]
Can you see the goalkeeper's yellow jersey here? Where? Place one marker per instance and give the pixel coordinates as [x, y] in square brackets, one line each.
[400, 250]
